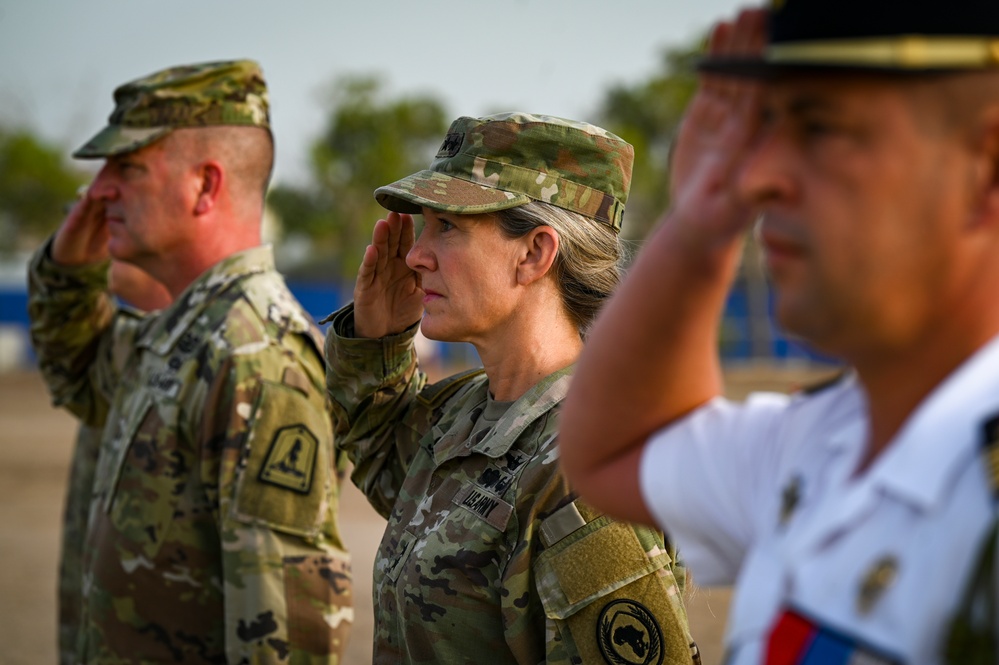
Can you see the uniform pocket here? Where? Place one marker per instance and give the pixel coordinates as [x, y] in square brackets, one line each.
[612, 598]
[395, 560]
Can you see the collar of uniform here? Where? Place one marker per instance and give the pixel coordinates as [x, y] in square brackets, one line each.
[533, 404]
[944, 432]
[175, 320]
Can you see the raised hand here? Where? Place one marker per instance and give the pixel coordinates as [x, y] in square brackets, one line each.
[387, 295]
[83, 236]
[719, 126]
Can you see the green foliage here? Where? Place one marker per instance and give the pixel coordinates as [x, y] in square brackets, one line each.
[35, 186]
[647, 115]
[368, 141]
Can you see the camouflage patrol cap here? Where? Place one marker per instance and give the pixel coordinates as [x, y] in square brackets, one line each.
[212, 93]
[506, 160]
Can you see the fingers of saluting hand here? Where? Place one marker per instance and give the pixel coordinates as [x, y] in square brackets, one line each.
[380, 242]
[740, 39]
[368, 269]
[83, 236]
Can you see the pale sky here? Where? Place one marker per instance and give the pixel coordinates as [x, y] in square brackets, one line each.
[61, 59]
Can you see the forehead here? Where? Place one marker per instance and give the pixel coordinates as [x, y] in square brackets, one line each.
[838, 91]
[430, 213]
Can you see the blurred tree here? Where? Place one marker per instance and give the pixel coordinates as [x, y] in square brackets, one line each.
[369, 140]
[647, 115]
[35, 186]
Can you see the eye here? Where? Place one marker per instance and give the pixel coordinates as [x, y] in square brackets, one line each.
[818, 128]
[445, 225]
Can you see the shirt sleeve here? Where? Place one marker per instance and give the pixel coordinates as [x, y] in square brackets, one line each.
[706, 480]
[373, 384]
[286, 576]
[78, 334]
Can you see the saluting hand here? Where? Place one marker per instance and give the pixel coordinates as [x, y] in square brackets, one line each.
[83, 237]
[717, 131]
[387, 295]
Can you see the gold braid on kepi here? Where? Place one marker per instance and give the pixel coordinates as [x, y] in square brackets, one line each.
[890, 36]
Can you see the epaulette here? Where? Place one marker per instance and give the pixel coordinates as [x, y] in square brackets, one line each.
[438, 393]
[824, 383]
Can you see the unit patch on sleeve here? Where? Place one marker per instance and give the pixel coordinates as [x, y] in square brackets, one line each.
[628, 634]
[291, 459]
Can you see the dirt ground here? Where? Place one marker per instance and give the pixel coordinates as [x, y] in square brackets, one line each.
[35, 445]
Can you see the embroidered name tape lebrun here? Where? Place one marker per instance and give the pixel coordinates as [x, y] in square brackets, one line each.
[494, 510]
[291, 459]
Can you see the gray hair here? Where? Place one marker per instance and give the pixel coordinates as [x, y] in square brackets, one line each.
[588, 265]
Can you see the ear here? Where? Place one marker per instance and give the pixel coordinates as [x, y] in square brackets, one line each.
[209, 182]
[985, 171]
[540, 249]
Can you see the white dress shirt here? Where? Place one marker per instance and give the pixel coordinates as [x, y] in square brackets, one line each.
[764, 494]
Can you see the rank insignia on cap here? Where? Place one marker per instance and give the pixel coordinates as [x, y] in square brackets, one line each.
[451, 145]
[789, 498]
[628, 633]
[879, 577]
[291, 459]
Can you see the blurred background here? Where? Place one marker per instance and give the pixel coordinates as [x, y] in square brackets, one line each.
[361, 94]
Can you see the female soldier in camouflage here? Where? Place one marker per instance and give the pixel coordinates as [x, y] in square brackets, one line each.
[488, 556]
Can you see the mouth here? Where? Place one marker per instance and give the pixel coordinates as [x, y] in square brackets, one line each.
[429, 295]
[778, 246]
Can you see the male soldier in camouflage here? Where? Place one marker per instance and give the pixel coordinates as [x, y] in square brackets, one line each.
[138, 289]
[488, 557]
[212, 534]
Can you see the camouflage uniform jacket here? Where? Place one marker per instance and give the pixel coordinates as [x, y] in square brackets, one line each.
[74, 528]
[487, 556]
[212, 534]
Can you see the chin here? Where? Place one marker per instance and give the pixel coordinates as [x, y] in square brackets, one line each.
[437, 332]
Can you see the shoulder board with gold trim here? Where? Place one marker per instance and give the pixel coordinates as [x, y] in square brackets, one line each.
[436, 394]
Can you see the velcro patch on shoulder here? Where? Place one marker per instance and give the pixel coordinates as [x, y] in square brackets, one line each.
[436, 394]
[287, 473]
[291, 460]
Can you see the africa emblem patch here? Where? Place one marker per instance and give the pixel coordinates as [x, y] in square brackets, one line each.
[292, 459]
[628, 634]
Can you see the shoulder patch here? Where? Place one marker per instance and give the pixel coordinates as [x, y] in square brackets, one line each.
[627, 632]
[438, 393]
[291, 460]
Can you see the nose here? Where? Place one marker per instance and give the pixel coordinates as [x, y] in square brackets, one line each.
[766, 174]
[103, 187]
[419, 257]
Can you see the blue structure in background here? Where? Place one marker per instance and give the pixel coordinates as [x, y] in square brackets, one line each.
[736, 340]
[317, 299]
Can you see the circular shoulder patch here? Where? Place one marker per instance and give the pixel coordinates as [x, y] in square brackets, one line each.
[628, 634]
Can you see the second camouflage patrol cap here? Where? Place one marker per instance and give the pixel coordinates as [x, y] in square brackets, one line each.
[893, 36]
[231, 92]
[506, 160]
